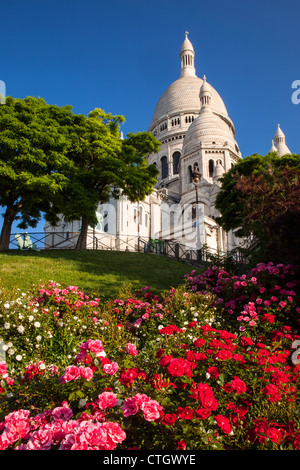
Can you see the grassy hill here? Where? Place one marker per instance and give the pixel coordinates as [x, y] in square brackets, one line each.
[105, 272]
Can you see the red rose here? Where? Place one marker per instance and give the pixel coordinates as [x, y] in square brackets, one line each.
[214, 372]
[185, 413]
[169, 419]
[181, 445]
[223, 355]
[199, 342]
[205, 395]
[238, 385]
[165, 360]
[223, 423]
[202, 413]
[179, 367]
[246, 341]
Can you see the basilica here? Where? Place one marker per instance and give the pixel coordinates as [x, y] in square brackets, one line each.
[198, 145]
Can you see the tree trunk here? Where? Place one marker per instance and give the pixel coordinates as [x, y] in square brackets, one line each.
[81, 242]
[9, 217]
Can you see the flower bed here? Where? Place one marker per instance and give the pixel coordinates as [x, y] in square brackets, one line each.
[211, 365]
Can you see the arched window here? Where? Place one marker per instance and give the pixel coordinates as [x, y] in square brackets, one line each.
[141, 215]
[176, 157]
[190, 173]
[164, 167]
[172, 219]
[211, 168]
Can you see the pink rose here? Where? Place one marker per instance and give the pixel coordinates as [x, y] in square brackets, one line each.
[115, 433]
[95, 346]
[110, 369]
[107, 400]
[130, 406]
[86, 373]
[131, 349]
[71, 373]
[3, 368]
[151, 410]
[90, 435]
[62, 412]
[141, 398]
[68, 442]
[40, 440]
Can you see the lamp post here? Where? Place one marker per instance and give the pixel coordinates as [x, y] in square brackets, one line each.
[196, 178]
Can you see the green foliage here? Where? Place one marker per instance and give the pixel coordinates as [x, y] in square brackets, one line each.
[33, 166]
[231, 201]
[260, 197]
[53, 161]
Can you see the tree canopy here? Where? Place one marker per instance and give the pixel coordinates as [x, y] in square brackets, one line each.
[260, 195]
[33, 165]
[55, 162]
[105, 165]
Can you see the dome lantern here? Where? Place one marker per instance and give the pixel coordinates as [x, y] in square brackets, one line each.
[187, 56]
[205, 94]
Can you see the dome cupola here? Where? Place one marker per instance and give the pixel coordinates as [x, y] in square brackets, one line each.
[279, 141]
[273, 148]
[205, 94]
[187, 56]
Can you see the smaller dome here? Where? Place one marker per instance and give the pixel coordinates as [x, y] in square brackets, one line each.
[273, 148]
[208, 128]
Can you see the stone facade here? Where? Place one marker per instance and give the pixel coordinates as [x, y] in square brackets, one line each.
[192, 123]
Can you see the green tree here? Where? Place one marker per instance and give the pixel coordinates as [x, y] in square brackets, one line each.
[261, 196]
[104, 165]
[34, 138]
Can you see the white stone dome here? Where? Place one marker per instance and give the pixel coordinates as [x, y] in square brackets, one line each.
[183, 96]
[207, 129]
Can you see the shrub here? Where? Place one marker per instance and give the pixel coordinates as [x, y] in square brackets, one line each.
[176, 372]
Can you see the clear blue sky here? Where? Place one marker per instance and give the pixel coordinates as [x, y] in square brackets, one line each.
[121, 56]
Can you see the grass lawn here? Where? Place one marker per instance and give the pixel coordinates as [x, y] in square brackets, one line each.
[105, 272]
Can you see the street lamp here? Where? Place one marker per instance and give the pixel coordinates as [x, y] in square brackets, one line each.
[196, 178]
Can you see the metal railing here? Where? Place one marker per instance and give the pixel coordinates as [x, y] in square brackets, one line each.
[68, 240]
[103, 241]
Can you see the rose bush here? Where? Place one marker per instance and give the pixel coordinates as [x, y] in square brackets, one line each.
[184, 371]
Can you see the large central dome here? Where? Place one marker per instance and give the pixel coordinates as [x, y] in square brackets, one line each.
[183, 95]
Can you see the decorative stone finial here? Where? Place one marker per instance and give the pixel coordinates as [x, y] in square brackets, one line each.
[186, 34]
